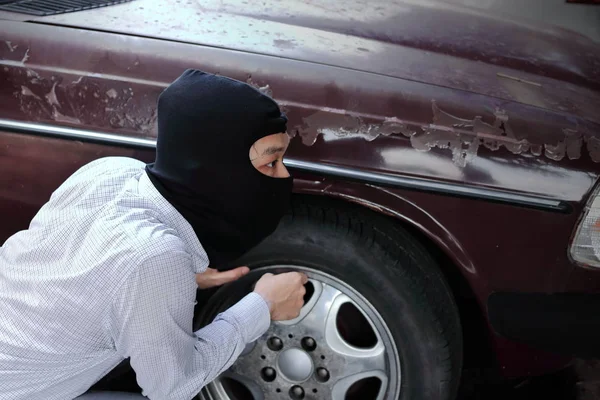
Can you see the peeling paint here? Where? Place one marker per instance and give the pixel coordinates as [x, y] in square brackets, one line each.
[32, 74]
[449, 132]
[463, 137]
[25, 91]
[112, 93]
[333, 122]
[555, 152]
[593, 146]
[574, 141]
[266, 89]
[536, 149]
[63, 118]
[11, 47]
[51, 97]
[328, 121]
[83, 100]
[394, 125]
[25, 57]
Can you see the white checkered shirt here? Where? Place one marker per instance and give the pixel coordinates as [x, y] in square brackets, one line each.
[105, 272]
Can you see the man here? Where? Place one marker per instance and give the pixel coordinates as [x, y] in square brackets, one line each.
[109, 267]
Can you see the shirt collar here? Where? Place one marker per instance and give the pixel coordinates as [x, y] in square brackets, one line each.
[174, 219]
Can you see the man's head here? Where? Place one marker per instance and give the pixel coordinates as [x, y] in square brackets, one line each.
[219, 161]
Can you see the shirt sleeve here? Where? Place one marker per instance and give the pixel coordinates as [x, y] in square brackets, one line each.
[152, 324]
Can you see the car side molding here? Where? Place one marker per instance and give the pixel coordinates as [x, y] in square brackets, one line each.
[377, 178]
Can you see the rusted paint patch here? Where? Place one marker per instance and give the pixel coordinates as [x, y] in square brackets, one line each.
[463, 137]
[85, 100]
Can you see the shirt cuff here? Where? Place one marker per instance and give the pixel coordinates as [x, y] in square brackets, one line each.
[252, 313]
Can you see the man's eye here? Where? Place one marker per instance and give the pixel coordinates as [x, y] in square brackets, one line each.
[272, 164]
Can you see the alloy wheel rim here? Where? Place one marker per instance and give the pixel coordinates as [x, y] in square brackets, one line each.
[311, 357]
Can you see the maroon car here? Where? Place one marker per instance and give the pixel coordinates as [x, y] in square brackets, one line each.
[445, 161]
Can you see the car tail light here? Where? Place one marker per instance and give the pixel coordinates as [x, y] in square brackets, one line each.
[585, 248]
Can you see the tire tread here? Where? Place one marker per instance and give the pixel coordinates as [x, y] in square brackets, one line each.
[412, 264]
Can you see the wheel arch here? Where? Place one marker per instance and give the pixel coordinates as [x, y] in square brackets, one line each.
[453, 261]
[403, 212]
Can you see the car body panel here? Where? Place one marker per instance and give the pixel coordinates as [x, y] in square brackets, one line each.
[455, 122]
[114, 89]
[393, 38]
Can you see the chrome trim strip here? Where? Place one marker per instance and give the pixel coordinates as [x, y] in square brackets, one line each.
[331, 170]
[428, 185]
[74, 133]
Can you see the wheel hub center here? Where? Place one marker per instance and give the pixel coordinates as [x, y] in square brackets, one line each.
[295, 365]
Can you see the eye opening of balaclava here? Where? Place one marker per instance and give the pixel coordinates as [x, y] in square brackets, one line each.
[206, 127]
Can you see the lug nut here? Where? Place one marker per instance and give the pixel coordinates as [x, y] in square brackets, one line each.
[322, 374]
[268, 374]
[296, 392]
[274, 343]
[309, 344]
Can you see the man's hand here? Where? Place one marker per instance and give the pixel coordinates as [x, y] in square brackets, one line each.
[284, 293]
[211, 277]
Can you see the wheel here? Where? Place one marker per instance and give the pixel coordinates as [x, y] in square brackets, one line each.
[379, 320]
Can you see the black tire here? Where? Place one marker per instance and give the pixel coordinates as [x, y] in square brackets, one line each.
[393, 271]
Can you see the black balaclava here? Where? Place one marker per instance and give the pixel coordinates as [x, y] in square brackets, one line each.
[206, 126]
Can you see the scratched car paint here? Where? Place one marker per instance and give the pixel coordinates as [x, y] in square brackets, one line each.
[424, 91]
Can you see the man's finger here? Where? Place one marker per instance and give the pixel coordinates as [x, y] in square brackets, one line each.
[211, 277]
[223, 277]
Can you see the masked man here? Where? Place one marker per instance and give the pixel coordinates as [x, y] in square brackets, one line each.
[109, 267]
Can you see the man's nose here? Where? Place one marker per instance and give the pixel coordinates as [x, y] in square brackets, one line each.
[282, 171]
